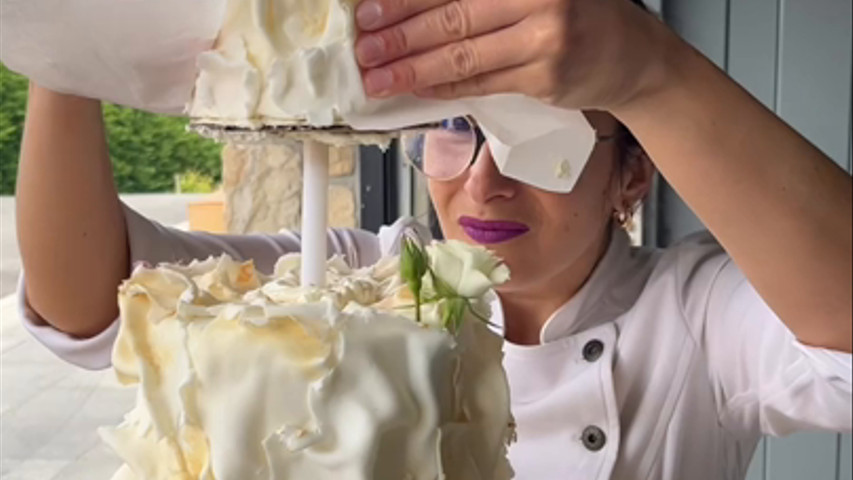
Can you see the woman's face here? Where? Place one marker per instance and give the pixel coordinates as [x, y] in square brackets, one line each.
[542, 236]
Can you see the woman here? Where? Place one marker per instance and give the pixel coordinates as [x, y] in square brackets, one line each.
[623, 363]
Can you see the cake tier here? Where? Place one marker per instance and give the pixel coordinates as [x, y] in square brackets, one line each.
[284, 63]
[243, 376]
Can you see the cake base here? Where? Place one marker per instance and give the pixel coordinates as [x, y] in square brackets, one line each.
[334, 135]
[246, 376]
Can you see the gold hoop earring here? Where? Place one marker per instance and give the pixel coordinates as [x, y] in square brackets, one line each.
[624, 218]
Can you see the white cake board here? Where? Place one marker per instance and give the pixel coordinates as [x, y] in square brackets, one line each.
[338, 136]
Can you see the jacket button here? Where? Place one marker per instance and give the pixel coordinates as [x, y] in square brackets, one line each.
[594, 439]
[592, 350]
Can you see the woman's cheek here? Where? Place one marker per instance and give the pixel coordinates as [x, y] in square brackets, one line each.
[442, 194]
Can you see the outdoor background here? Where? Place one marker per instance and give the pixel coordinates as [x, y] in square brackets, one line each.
[147, 150]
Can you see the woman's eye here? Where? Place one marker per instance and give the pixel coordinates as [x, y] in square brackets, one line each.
[457, 124]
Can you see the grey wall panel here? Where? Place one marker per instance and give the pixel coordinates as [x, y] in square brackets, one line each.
[680, 220]
[752, 47]
[654, 5]
[757, 469]
[704, 25]
[807, 456]
[845, 457]
[792, 54]
[813, 91]
[850, 133]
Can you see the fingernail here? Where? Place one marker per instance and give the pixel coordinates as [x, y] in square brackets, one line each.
[368, 14]
[370, 50]
[378, 82]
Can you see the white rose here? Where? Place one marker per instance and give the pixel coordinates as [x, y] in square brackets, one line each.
[469, 270]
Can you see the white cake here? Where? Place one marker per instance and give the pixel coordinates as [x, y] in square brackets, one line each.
[280, 63]
[242, 376]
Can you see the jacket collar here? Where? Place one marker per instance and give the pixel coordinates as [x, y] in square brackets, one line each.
[606, 294]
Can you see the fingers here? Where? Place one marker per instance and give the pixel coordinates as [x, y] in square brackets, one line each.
[526, 79]
[446, 23]
[372, 15]
[453, 63]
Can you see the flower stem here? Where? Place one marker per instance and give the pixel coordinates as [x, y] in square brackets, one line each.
[418, 307]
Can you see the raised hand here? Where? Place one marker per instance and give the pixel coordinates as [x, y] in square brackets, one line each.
[569, 53]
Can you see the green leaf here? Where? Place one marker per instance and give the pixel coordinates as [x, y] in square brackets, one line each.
[414, 260]
[453, 313]
[407, 261]
[413, 265]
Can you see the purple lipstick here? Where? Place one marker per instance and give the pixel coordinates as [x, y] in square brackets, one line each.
[487, 232]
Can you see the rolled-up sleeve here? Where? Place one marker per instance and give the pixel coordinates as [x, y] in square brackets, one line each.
[92, 353]
[151, 243]
[764, 378]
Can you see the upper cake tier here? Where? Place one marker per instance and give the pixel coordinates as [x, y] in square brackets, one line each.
[280, 63]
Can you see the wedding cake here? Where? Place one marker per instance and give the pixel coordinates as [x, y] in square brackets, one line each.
[388, 373]
[280, 65]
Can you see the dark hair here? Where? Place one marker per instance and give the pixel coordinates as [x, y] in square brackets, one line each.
[627, 141]
[641, 4]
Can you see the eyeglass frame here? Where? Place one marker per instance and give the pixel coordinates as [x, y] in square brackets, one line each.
[480, 139]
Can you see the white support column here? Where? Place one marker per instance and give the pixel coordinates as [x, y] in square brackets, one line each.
[315, 199]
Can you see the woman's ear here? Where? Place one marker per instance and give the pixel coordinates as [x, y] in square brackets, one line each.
[635, 177]
[641, 171]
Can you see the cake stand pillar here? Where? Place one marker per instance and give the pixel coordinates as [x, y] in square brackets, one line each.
[315, 198]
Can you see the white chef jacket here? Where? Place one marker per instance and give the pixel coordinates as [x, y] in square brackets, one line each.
[665, 365]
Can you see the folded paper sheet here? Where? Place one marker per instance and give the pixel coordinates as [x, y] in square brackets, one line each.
[143, 54]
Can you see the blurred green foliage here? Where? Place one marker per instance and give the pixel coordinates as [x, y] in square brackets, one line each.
[195, 182]
[147, 150]
[13, 101]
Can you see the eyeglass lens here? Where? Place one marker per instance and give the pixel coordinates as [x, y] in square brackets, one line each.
[444, 152]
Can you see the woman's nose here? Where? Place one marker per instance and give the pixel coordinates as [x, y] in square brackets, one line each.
[484, 182]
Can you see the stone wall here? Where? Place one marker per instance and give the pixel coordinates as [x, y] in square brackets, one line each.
[263, 188]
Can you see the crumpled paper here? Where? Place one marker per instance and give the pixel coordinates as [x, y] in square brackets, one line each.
[142, 54]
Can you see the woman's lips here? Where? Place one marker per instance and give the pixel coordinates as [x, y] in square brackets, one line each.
[490, 231]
